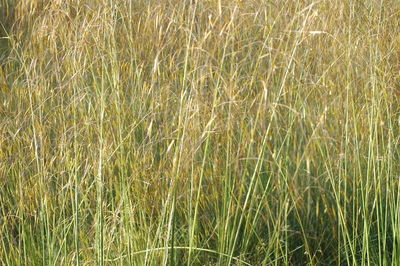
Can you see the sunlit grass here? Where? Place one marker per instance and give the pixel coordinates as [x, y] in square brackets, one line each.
[199, 132]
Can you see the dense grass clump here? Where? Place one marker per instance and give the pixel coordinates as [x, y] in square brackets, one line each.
[196, 132]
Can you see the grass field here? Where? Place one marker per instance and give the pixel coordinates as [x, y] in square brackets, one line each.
[199, 132]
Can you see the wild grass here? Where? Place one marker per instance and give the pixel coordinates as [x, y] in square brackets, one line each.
[199, 132]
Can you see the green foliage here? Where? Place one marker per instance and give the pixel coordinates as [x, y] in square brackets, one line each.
[199, 132]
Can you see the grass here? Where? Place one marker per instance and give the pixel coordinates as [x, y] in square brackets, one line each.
[199, 132]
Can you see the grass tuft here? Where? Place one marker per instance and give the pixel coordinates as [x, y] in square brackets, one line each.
[199, 132]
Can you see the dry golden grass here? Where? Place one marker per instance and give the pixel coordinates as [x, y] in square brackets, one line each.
[199, 132]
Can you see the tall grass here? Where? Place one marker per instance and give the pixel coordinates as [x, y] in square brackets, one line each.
[199, 132]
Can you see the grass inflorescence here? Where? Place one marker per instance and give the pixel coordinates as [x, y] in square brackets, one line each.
[197, 132]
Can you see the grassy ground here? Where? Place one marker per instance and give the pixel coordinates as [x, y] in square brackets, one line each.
[199, 132]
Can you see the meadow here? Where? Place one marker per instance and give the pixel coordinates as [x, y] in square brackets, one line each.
[199, 132]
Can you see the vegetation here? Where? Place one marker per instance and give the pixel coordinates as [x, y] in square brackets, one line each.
[221, 132]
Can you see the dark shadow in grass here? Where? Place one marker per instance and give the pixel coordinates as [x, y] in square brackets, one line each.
[7, 11]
